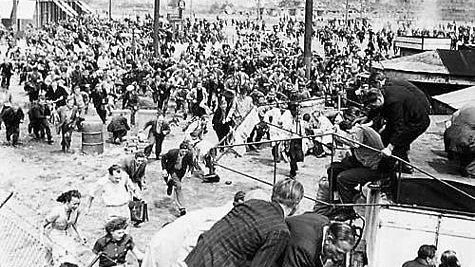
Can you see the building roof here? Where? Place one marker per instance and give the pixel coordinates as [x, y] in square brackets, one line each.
[446, 62]
[457, 99]
[459, 63]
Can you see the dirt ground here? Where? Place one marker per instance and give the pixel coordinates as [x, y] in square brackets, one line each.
[38, 173]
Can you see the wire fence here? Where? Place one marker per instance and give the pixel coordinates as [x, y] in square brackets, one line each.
[22, 241]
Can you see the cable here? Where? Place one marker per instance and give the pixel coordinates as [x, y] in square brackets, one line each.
[302, 136]
[407, 163]
[334, 205]
[270, 141]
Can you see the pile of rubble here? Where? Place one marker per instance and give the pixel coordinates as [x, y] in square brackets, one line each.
[135, 144]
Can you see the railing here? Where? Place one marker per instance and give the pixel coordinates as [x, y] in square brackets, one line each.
[334, 135]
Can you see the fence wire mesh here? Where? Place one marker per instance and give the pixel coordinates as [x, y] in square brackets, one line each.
[22, 241]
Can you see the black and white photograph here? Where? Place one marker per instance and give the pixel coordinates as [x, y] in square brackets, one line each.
[251, 133]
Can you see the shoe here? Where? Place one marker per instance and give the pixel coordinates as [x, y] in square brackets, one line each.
[182, 212]
[50, 142]
[169, 189]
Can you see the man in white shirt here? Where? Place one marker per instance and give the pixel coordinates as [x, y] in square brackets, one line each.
[116, 191]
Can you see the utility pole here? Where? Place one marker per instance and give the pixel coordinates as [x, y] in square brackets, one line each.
[133, 43]
[346, 15]
[259, 10]
[191, 10]
[307, 46]
[110, 9]
[14, 16]
[361, 11]
[156, 25]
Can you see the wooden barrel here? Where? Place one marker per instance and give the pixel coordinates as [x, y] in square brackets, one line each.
[92, 137]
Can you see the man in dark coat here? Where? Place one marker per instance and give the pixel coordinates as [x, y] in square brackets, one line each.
[161, 93]
[425, 257]
[175, 164]
[39, 115]
[220, 124]
[314, 241]
[33, 84]
[405, 109]
[119, 127]
[131, 101]
[6, 71]
[158, 129]
[77, 77]
[99, 100]
[57, 94]
[12, 117]
[295, 152]
[135, 167]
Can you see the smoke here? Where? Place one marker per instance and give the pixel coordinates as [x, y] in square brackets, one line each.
[428, 15]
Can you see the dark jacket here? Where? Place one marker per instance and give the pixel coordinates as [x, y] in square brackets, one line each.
[417, 263]
[118, 123]
[131, 100]
[164, 129]
[55, 95]
[7, 69]
[135, 171]
[39, 112]
[406, 111]
[99, 97]
[306, 238]
[169, 160]
[12, 116]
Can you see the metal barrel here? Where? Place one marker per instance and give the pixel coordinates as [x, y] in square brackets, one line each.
[92, 137]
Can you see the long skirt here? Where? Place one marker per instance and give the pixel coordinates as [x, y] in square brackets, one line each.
[63, 247]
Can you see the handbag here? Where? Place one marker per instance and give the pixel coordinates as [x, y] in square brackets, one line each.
[138, 211]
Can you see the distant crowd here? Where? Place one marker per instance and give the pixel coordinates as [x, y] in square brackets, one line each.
[66, 67]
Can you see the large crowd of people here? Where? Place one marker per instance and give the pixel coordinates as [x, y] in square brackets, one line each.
[67, 66]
